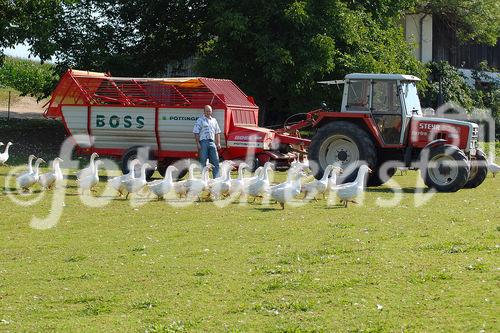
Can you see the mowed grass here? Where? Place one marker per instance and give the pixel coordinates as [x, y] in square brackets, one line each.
[254, 268]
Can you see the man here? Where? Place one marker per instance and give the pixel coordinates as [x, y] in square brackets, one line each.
[207, 134]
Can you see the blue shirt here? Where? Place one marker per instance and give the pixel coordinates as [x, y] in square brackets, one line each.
[206, 128]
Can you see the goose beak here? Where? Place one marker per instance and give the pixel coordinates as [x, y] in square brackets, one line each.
[370, 170]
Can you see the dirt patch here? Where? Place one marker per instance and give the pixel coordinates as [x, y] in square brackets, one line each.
[24, 107]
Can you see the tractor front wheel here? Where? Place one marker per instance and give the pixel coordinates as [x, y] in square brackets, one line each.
[447, 168]
[478, 170]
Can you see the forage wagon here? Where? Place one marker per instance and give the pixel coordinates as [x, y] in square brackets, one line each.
[119, 115]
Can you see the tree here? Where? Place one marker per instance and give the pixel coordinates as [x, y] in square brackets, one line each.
[31, 22]
[28, 77]
[473, 20]
[278, 50]
[128, 37]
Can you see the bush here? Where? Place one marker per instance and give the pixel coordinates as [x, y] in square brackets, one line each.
[28, 77]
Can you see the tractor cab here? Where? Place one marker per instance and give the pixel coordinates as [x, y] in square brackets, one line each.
[392, 100]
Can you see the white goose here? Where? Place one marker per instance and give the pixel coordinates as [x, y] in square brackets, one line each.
[493, 168]
[163, 186]
[249, 180]
[221, 187]
[332, 181]
[288, 190]
[318, 186]
[238, 184]
[26, 180]
[89, 170]
[197, 186]
[54, 178]
[349, 191]
[5, 155]
[225, 165]
[90, 181]
[117, 182]
[134, 185]
[259, 187]
[180, 187]
[30, 166]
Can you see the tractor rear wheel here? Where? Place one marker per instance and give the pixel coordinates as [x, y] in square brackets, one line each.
[343, 144]
[447, 168]
[478, 170]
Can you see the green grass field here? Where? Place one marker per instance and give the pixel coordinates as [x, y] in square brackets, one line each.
[253, 268]
[247, 268]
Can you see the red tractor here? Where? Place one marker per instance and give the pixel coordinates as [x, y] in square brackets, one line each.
[381, 120]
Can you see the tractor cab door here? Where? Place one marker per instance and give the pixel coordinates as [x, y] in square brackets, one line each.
[387, 111]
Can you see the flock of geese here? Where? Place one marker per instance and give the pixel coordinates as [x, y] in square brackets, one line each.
[201, 188]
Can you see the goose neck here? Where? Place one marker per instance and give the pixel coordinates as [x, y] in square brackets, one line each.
[327, 172]
[37, 166]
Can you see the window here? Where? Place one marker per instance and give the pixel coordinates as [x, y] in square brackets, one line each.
[358, 95]
[386, 97]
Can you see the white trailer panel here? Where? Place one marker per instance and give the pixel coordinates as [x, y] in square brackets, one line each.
[76, 122]
[175, 127]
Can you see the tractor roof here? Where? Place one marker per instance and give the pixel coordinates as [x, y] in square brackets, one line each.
[371, 76]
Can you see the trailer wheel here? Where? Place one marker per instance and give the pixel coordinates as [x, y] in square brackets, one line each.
[344, 144]
[133, 153]
[447, 168]
[181, 165]
[478, 170]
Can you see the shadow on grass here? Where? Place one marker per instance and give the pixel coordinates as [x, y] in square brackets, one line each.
[268, 209]
[408, 190]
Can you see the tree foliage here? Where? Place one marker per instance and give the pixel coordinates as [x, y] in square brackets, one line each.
[28, 77]
[278, 50]
[275, 50]
[127, 37]
[30, 21]
[473, 20]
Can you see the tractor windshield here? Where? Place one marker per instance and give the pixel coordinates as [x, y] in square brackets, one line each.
[412, 102]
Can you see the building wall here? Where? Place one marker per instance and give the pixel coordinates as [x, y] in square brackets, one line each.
[447, 47]
[418, 30]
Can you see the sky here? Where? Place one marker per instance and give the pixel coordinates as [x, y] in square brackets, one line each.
[20, 51]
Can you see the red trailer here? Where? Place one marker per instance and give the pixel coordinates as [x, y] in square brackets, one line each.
[119, 115]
